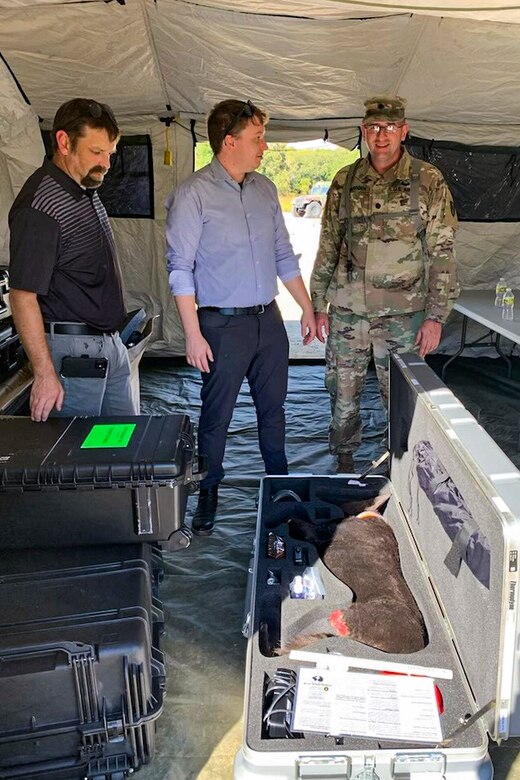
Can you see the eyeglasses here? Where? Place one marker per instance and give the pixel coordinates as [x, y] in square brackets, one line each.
[391, 128]
[247, 110]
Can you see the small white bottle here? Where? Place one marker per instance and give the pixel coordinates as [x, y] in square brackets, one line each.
[499, 291]
[508, 305]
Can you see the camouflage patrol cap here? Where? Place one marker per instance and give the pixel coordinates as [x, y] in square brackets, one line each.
[389, 107]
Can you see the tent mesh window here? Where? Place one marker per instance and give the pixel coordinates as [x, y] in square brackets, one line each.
[128, 187]
[484, 180]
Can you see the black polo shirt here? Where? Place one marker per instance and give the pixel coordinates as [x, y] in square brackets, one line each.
[62, 248]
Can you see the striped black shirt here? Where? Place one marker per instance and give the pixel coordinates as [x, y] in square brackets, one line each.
[62, 248]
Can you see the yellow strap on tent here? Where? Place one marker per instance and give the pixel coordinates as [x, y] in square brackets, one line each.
[168, 154]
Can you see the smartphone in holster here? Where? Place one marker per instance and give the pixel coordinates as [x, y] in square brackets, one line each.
[84, 367]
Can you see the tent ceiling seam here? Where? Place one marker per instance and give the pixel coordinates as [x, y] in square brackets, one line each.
[424, 9]
[15, 79]
[148, 26]
[335, 19]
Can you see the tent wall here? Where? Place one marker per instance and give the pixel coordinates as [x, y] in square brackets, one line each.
[311, 64]
[21, 149]
[141, 243]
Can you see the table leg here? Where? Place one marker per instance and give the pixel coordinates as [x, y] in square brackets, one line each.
[461, 348]
[502, 355]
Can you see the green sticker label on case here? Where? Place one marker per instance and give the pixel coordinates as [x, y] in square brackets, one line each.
[111, 435]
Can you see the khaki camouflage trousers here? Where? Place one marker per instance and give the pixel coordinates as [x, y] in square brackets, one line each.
[353, 340]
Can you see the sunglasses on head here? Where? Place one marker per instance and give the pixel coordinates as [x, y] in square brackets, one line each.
[246, 110]
[96, 110]
[91, 108]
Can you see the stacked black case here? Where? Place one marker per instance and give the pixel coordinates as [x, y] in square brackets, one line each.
[82, 678]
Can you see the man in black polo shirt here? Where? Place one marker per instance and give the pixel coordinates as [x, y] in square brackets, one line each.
[66, 294]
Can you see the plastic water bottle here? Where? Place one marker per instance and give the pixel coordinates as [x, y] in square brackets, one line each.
[508, 305]
[500, 290]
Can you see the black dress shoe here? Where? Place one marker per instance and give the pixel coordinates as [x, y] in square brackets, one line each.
[345, 463]
[204, 517]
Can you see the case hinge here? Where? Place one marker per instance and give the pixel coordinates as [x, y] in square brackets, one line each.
[405, 765]
[323, 767]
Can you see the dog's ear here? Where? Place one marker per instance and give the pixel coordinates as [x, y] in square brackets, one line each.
[379, 502]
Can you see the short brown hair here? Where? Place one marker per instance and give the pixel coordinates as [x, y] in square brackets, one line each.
[230, 117]
[74, 115]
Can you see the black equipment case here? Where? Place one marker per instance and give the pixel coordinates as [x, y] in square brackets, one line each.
[84, 504]
[88, 481]
[82, 678]
[454, 510]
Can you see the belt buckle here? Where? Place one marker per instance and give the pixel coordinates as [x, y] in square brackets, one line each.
[262, 308]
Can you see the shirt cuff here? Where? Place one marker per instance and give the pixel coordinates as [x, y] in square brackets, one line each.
[179, 285]
[288, 275]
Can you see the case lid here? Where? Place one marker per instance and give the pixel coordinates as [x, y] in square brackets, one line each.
[94, 451]
[461, 497]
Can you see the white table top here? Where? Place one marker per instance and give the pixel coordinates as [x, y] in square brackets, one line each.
[479, 305]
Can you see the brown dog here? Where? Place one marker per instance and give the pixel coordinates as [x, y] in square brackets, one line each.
[362, 552]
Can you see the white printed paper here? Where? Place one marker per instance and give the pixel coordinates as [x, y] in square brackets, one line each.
[366, 705]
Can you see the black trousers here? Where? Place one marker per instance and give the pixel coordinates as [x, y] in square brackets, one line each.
[253, 346]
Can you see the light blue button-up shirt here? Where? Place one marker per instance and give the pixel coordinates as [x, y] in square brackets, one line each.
[227, 243]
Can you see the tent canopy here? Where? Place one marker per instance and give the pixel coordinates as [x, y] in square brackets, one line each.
[310, 64]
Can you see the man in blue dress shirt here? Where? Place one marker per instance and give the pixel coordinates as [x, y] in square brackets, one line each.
[226, 246]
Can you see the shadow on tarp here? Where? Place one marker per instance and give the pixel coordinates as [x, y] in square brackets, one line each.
[204, 586]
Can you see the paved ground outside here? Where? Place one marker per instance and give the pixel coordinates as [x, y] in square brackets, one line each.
[304, 235]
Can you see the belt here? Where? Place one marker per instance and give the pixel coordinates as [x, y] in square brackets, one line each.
[73, 329]
[235, 311]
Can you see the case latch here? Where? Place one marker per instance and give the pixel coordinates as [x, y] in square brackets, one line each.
[323, 767]
[145, 508]
[369, 770]
[405, 765]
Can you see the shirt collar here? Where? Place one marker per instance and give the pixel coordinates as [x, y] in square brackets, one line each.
[63, 179]
[219, 172]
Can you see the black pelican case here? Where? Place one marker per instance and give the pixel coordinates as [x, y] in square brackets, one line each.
[89, 481]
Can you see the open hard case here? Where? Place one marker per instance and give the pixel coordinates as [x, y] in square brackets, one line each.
[454, 510]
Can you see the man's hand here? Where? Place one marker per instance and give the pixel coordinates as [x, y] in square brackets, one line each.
[198, 352]
[47, 391]
[428, 337]
[322, 326]
[46, 394]
[308, 326]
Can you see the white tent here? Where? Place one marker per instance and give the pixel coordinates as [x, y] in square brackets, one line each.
[311, 64]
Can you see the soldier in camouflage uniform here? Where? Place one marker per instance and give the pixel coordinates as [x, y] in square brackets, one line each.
[384, 277]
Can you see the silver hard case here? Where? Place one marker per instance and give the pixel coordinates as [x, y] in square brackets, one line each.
[472, 628]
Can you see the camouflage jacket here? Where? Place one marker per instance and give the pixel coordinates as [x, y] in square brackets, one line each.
[391, 275]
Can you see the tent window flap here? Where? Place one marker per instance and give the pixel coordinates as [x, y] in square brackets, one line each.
[484, 180]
